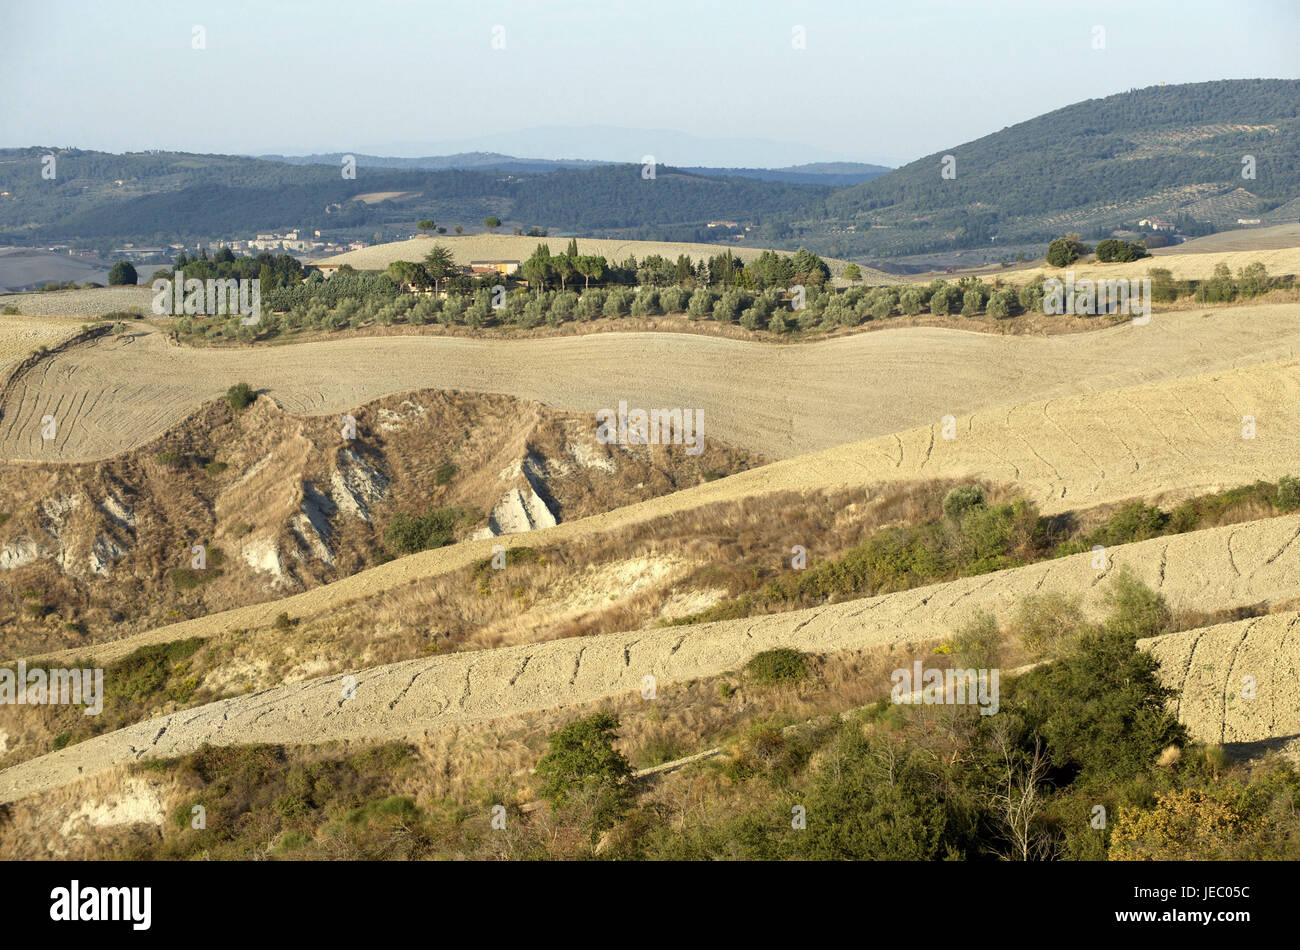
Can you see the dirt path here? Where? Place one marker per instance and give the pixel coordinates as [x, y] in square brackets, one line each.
[1234, 566]
[781, 401]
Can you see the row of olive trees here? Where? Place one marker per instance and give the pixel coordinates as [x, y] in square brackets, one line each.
[773, 309]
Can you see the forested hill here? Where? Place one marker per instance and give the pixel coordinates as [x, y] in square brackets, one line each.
[156, 197]
[1164, 151]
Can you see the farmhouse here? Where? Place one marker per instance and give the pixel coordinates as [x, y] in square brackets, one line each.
[1156, 224]
[488, 267]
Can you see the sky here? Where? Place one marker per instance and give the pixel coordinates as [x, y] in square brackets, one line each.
[698, 82]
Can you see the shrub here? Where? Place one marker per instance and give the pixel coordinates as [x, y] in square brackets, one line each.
[1163, 287]
[1184, 825]
[143, 674]
[1101, 708]
[1288, 493]
[781, 665]
[1065, 250]
[184, 578]
[215, 468]
[444, 473]
[961, 500]
[977, 644]
[997, 537]
[407, 535]
[881, 801]
[882, 305]
[1112, 249]
[1046, 623]
[10, 311]
[1136, 611]
[582, 765]
[240, 396]
[282, 621]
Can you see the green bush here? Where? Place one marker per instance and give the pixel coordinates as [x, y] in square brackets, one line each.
[581, 764]
[1112, 249]
[407, 535]
[977, 644]
[1046, 623]
[444, 473]
[781, 665]
[122, 273]
[1136, 611]
[1065, 250]
[1102, 708]
[962, 499]
[883, 801]
[240, 396]
[142, 674]
[1288, 493]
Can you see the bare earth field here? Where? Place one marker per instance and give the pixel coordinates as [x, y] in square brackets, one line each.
[93, 302]
[19, 336]
[1211, 669]
[119, 392]
[1271, 238]
[1183, 264]
[1229, 567]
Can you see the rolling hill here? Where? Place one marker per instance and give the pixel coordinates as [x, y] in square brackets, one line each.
[1164, 151]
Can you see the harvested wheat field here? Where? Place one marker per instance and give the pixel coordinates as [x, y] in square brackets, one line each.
[1274, 237]
[1223, 568]
[513, 247]
[1184, 265]
[84, 304]
[1238, 683]
[21, 337]
[1163, 439]
[780, 401]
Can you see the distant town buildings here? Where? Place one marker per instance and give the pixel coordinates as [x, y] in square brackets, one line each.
[1157, 224]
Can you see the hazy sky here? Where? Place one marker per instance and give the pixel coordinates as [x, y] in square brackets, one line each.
[877, 81]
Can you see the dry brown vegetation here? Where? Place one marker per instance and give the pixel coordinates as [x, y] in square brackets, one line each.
[93, 551]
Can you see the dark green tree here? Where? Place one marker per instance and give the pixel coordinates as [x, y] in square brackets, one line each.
[122, 273]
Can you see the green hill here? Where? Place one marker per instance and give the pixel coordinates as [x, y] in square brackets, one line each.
[1165, 151]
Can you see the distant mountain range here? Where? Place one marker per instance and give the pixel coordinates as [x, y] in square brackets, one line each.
[815, 173]
[616, 145]
[1205, 155]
